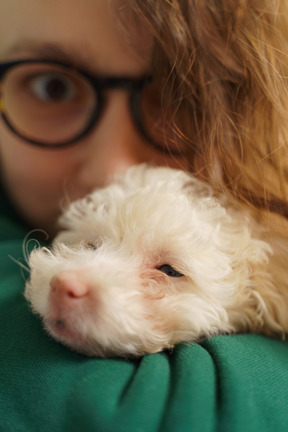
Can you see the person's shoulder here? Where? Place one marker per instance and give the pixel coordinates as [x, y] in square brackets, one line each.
[225, 383]
[11, 225]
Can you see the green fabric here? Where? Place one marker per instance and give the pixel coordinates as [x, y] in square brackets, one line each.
[227, 383]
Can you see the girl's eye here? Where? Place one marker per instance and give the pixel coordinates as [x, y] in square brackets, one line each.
[51, 87]
[169, 271]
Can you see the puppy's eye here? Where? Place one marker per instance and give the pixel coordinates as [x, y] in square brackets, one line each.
[91, 245]
[169, 270]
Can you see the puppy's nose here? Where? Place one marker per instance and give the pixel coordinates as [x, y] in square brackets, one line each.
[69, 285]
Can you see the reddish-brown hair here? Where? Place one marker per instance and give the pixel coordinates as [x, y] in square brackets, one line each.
[223, 69]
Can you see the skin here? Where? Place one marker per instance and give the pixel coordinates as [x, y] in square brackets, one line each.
[38, 180]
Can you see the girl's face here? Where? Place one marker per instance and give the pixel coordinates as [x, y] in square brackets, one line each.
[39, 179]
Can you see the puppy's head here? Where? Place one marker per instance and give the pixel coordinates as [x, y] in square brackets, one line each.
[144, 263]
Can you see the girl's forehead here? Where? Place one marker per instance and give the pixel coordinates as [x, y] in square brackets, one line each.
[87, 31]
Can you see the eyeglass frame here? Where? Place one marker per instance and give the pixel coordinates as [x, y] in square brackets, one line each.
[134, 86]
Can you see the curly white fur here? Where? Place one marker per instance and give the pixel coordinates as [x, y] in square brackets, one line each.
[102, 289]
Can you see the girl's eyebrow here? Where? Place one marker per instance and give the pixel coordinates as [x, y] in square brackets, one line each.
[77, 57]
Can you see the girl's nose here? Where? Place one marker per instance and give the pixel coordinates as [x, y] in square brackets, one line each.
[114, 144]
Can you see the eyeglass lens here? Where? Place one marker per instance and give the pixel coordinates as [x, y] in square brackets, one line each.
[51, 105]
[47, 103]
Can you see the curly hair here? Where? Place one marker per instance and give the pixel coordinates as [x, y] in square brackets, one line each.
[223, 69]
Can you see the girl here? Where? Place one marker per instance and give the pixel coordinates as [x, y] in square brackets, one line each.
[91, 87]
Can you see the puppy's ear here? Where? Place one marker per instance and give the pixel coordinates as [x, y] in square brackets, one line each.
[273, 292]
[259, 306]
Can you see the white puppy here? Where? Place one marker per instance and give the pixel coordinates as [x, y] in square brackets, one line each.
[150, 261]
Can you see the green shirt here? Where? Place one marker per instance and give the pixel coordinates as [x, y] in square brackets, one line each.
[227, 383]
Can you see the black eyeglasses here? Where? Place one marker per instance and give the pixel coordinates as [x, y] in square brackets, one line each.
[52, 104]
